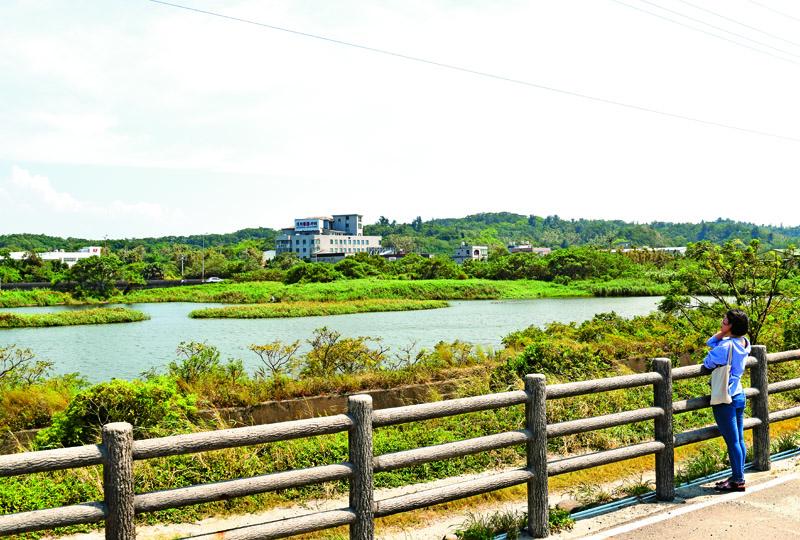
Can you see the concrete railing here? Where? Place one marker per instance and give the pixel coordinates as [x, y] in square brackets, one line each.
[118, 451]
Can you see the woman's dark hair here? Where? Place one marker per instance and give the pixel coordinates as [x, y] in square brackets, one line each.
[739, 322]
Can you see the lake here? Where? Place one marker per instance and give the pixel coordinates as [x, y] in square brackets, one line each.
[103, 352]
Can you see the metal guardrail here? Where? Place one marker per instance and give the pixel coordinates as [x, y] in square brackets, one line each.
[118, 451]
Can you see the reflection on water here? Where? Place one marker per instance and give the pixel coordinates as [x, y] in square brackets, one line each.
[126, 350]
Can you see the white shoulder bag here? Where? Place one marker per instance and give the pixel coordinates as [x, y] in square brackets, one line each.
[719, 381]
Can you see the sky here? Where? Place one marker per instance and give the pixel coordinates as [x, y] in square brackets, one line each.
[131, 118]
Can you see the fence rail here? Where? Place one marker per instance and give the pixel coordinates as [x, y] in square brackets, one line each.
[118, 451]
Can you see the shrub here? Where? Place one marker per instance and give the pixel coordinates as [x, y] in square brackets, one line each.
[153, 407]
[331, 354]
[262, 274]
[566, 360]
[311, 273]
[196, 360]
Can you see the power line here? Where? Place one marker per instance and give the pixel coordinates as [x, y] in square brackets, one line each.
[770, 34]
[705, 32]
[452, 67]
[759, 4]
[719, 28]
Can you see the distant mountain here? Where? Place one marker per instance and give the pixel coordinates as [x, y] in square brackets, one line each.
[503, 228]
[41, 242]
[445, 234]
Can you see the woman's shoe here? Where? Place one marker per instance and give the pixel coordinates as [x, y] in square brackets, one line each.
[730, 485]
[722, 482]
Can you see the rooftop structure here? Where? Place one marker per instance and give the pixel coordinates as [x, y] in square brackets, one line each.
[527, 248]
[66, 257]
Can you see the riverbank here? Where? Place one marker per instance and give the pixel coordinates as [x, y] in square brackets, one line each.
[355, 289]
[313, 309]
[71, 318]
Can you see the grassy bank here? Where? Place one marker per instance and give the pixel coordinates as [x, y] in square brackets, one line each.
[36, 297]
[312, 309]
[70, 318]
[258, 292]
[356, 289]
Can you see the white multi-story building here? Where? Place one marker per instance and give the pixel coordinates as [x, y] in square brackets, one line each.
[67, 257]
[468, 252]
[328, 238]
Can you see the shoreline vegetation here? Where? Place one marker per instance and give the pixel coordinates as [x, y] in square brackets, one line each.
[260, 292]
[314, 309]
[71, 318]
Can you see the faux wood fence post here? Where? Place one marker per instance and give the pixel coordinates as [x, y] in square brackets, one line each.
[536, 449]
[118, 480]
[665, 459]
[359, 408]
[760, 409]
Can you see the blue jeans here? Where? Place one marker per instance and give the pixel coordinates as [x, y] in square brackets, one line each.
[730, 421]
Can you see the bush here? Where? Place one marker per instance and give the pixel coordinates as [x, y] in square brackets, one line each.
[154, 407]
[331, 354]
[565, 360]
[197, 360]
[262, 274]
[311, 273]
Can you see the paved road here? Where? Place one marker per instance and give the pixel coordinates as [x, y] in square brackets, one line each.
[771, 512]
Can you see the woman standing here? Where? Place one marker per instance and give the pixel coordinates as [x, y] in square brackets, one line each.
[730, 343]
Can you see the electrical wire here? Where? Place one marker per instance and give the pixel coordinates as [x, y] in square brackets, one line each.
[770, 34]
[703, 31]
[452, 67]
[759, 4]
[742, 36]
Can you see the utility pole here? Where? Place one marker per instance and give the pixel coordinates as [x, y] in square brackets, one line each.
[203, 260]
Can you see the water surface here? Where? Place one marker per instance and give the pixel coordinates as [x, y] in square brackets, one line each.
[101, 352]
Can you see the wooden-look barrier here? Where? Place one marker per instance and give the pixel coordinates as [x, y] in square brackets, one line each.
[118, 451]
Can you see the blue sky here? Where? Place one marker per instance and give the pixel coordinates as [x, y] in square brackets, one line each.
[126, 118]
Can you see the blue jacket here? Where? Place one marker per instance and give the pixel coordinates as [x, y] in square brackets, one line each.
[718, 356]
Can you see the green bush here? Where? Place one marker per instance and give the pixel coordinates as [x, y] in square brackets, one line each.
[566, 360]
[311, 273]
[153, 407]
[195, 361]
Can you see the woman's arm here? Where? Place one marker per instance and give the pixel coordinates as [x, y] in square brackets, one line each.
[718, 356]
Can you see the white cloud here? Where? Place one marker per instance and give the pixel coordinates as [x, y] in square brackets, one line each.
[138, 85]
[33, 201]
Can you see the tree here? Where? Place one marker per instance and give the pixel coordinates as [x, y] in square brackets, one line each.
[18, 367]
[277, 357]
[734, 275]
[96, 276]
[331, 354]
[400, 243]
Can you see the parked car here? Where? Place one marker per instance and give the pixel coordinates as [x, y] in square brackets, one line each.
[214, 279]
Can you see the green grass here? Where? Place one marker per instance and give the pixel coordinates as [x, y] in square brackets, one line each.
[625, 287]
[70, 318]
[35, 297]
[356, 289]
[258, 292]
[312, 309]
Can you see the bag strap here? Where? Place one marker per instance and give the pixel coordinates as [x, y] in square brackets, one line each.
[730, 353]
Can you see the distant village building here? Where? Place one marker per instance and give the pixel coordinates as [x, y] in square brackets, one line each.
[474, 253]
[391, 255]
[527, 248]
[674, 250]
[327, 238]
[66, 257]
[267, 256]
